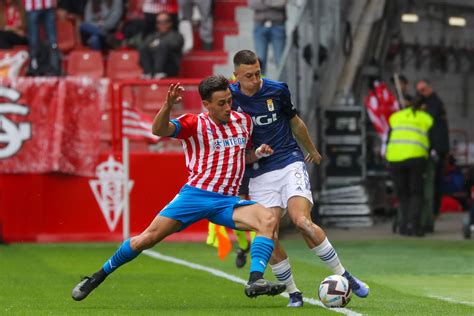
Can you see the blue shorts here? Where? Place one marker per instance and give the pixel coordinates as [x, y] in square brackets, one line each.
[192, 204]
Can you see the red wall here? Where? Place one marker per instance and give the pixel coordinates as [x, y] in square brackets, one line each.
[58, 207]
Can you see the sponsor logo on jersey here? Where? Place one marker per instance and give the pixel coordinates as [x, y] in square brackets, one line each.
[270, 106]
[220, 143]
[266, 119]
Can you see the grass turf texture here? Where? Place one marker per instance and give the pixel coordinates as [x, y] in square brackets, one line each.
[404, 276]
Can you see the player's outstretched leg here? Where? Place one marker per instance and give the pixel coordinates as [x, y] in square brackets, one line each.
[160, 228]
[123, 255]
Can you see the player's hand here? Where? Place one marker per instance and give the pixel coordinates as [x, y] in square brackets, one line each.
[313, 157]
[263, 150]
[174, 94]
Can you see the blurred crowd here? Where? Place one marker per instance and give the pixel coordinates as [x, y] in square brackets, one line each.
[151, 26]
[161, 30]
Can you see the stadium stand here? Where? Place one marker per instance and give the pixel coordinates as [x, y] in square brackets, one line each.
[206, 61]
[66, 35]
[123, 64]
[85, 63]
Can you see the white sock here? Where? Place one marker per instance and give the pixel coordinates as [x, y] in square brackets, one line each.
[282, 271]
[326, 252]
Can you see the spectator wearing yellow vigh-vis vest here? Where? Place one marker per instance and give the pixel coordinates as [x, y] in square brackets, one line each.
[407, 153]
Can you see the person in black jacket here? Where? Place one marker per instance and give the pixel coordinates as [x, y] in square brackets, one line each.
[440, 135]
[160, 52]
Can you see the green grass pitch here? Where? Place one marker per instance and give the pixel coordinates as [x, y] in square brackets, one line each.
[406, 277]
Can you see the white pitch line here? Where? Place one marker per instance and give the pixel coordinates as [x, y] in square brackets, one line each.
[451, 300]
[236, 279]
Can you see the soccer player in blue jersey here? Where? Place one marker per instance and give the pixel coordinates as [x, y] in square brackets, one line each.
[281, 181]
[215, 144]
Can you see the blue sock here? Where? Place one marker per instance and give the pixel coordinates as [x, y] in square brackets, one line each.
[123, 255]
[261, 251]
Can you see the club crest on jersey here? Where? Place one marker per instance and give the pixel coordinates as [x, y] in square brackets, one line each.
[270, 105]
[220, 144]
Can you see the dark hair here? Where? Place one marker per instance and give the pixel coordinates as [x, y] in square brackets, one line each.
[246, 57]
[212, 84]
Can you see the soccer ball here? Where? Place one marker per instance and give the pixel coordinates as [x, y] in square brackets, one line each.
[335, 291]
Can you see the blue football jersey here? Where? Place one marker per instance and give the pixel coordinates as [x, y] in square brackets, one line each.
[271, 111]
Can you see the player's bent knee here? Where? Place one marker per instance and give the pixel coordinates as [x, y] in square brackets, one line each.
[268, 222]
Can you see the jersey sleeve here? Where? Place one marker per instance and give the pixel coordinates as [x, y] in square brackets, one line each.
[287, 107]
[250, 131]
[186, 126]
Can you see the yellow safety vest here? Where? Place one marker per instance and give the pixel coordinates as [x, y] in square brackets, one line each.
[409, 135]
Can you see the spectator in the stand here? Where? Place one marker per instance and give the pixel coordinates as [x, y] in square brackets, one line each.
[101, 19]
[440, 145]
[12, 24]
[160, 52]
[133, 23]
[206, 25]
[152, 7]
[44, 59]
[269, 19]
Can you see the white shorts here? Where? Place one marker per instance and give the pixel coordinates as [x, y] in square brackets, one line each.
[276, 187]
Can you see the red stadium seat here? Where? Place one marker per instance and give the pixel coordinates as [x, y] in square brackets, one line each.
[151, 97]
[66, 35]
[85, 63]
[123, 64]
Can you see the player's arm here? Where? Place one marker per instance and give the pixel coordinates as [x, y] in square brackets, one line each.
[161, 123]
[253, 155]
[299, 129]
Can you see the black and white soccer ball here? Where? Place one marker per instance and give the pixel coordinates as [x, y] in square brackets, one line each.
[335, 291]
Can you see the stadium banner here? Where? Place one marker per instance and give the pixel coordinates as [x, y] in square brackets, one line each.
[56, 207]
[50, 125]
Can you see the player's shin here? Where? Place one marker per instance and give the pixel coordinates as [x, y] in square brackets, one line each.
[326, 252]
[260, 251]
[282, 271]
[123, 255]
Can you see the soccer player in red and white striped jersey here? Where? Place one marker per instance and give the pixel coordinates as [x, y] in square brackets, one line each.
[215, 144]
[214, 152]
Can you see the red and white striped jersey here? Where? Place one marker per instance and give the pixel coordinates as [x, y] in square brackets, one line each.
[215, 154]
[32, 5]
